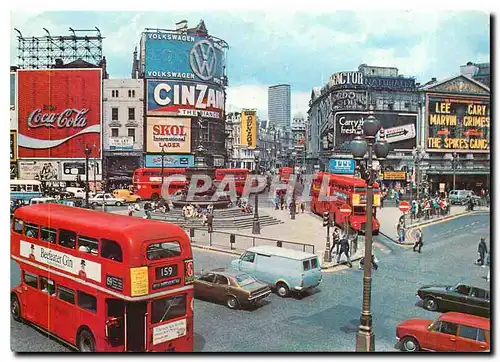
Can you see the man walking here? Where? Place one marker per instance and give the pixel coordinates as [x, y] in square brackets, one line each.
[210, 219]
[335, 241]
[482, 250]
[344, 249]
[419, 241]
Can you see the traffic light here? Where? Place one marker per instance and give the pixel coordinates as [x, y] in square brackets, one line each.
[326, 218]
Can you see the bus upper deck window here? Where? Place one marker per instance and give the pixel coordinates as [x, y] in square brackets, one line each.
[67, 238]
[111, 250]
[18, 225]
[163, 250]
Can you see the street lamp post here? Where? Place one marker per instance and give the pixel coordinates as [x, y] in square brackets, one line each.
[365, 339]
[454, 161]
[87, 155]
[418, 154]
[294, 154]
[256, 223]
[162, 168]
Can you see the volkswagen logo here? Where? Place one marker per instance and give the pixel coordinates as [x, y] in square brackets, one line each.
[203, 60]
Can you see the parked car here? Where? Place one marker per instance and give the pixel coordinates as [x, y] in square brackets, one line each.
[235, 289]
[43, 200]
[127, 195]
[458, 298]
[460, 197]
[283, 269]
[108, 199]
[78, 192]
[451, 332]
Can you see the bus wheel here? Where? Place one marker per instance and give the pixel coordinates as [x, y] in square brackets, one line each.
[15, 308]
[155, 197]
[86, 341]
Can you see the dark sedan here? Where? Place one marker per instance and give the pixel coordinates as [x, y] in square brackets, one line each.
[458, 298]
[234, 288]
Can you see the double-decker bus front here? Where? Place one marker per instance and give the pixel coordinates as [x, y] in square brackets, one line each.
[239, 175]
[103, 282]
[147, 181]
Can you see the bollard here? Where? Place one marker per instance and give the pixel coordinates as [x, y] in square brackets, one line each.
[279, 244]
[232, 240]
[191, 232]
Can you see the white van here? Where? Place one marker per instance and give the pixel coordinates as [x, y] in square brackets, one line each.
[283, 269]
[43, 200]
[77, 192]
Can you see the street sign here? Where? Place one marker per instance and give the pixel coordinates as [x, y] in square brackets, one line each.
[345, 210]
[404, 206]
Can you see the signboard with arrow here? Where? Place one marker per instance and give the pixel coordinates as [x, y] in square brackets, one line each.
[400, 133]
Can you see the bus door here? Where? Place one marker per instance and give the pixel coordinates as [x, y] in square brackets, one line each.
[126, 324]
[63, 318]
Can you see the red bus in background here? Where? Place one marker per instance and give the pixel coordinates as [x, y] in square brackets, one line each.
[239, 174]
[147, 181]
[346, 190]
[103, 282]
[285, 173]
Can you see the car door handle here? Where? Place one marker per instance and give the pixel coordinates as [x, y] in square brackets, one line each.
[453, 339]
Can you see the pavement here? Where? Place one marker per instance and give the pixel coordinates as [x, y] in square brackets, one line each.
[327, 319]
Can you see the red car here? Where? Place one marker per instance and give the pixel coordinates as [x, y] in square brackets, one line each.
[451, 332]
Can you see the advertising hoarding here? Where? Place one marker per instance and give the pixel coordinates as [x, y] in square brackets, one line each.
[180, 98]
[173, 134]
[41, 170]
[121, 143]
[394, 175]
[13, 146]
[59, 112]
[461, 125]
[249, 128]
[170, 161]
[399, 128]
[184, 57]
[70, 170]
[342, 166]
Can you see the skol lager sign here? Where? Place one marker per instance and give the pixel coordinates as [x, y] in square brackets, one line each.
[249, 128]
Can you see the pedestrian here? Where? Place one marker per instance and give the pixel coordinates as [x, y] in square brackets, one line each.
[374, 262]
[130, 210]
[303, 206]
[482, 251]
[344, 249]
[418, 241]
[335, 241]
[210, 209]
[210, 220]
[401, 231]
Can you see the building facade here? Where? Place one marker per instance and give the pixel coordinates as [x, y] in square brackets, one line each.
[478, 71]
[279, 105]
[123, 120]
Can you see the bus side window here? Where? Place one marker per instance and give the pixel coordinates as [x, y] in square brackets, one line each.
[18, 225]
[47, 286]
[87, 301]
[31, 280]
[111, 250]
[67, 238]
[48, 234]
[31, 230]
[66, 294]
[88, 245]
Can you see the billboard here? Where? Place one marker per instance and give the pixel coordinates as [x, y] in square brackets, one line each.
[180, 98]
[70, 170]
[13, 146]
[59, 112]
[121, 143]
[41, 170]
[342, 166]
[400, 128]
[461, 125]
[183, 57]
[173, 134]
[170, 161]
[394, 175]
[249, 128]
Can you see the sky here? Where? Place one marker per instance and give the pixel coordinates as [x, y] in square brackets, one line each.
[298, 48]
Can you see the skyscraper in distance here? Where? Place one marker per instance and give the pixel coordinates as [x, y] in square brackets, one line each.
[278, 105]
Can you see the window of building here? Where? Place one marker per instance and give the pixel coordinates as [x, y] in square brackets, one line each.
[114, 132]
[111, 250]
[88, 245]
[131, 114]
[133, 93]
[66, 294]
[31, 280]
[47, 286]
[67, 238]
[114, 114]
[87, 301]
[130, 93]
[114, 93]
[131, 133]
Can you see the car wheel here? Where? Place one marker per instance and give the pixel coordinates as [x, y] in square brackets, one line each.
[282, 290]
[138, 199]
[15, 308]
[410, 344]
[430, 304]
[118, 203]
[86, 341]
[155, 197]
[232, 302]
[94, 204]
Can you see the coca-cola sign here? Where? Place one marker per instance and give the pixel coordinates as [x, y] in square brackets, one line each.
[68, 118]
[59, 113]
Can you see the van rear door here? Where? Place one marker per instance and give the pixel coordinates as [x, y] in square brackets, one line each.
[311, 272]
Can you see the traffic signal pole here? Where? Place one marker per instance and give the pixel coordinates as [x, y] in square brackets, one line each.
[326, 222]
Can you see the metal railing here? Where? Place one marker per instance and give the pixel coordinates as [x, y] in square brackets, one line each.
[234, 241]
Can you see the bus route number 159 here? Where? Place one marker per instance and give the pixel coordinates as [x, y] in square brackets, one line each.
[166, 271]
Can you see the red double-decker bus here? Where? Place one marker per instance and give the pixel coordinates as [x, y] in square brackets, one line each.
[147, 181]
[285, 173]
[344, 190]
[239, 174]
[103, 282]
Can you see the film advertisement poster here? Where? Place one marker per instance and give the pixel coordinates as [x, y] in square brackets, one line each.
[40, 170]
[399, 128]
[170, 161]
[180, 98]
[249, 128]
[13, 146]
[173, 134]
[184, 57]
[70, 170]
[59, 112]
[461, 125]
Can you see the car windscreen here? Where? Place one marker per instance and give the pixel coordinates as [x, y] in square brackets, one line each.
[245, 279]
[163, 250]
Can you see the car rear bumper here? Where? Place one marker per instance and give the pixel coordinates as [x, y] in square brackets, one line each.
[302, 289]
[257, 297]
